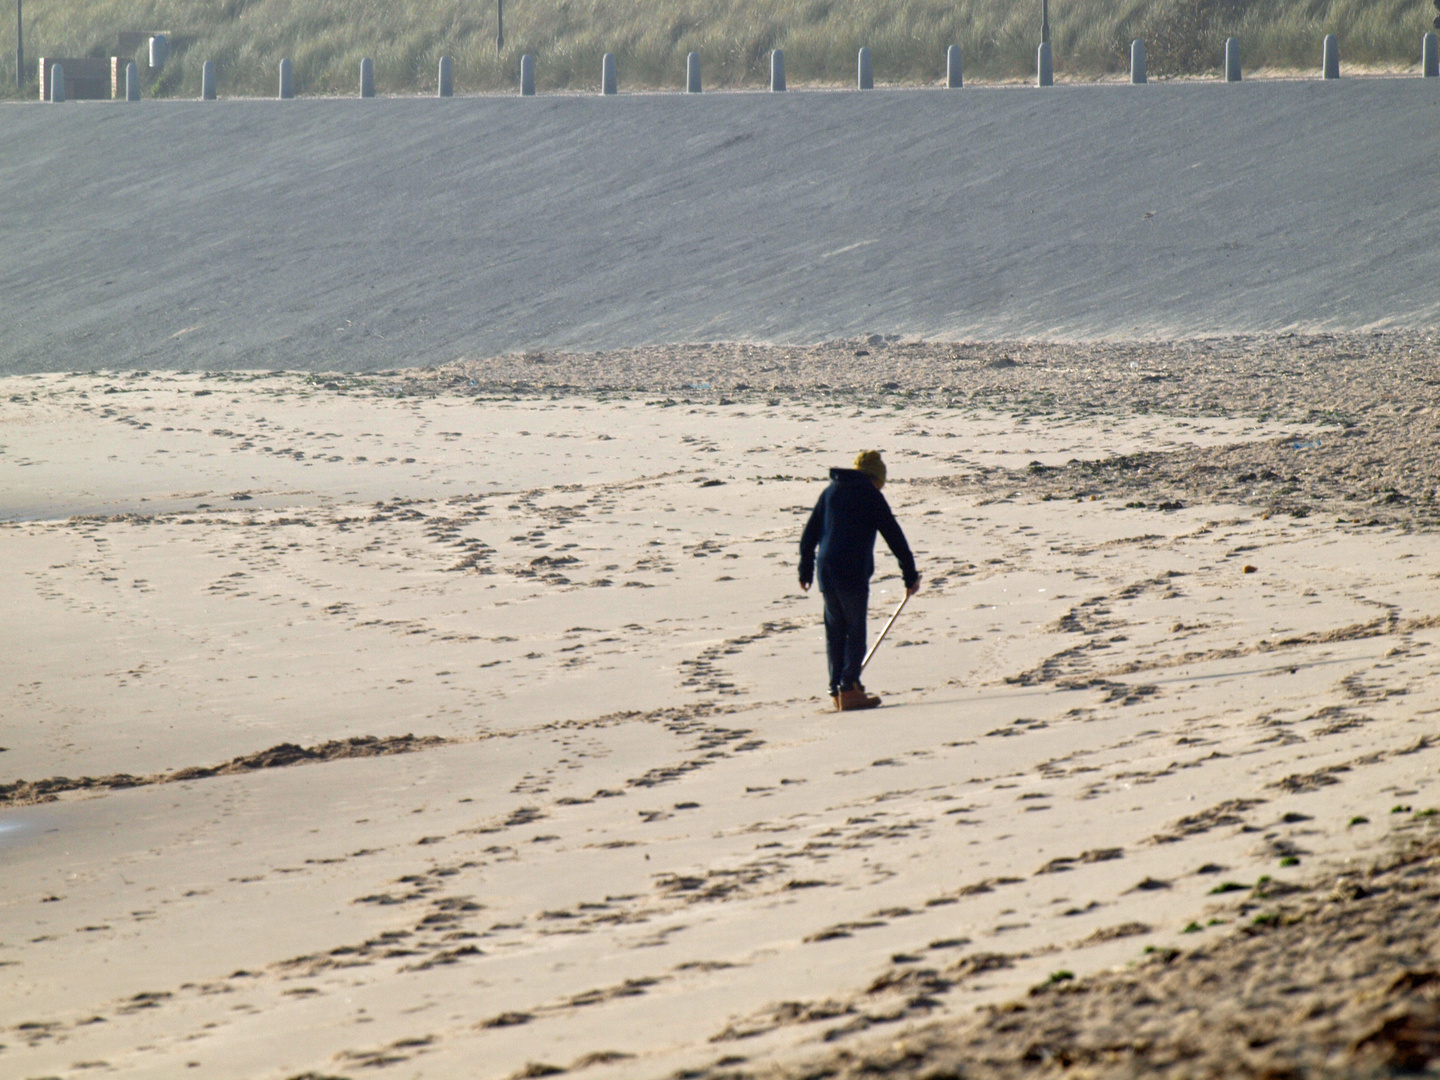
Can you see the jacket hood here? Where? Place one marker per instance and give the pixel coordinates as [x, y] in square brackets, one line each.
[850, 476]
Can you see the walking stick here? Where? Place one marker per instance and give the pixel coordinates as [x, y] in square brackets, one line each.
[903, 600]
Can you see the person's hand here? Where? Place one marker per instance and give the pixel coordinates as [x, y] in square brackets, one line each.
[911, 590]
[804, 586]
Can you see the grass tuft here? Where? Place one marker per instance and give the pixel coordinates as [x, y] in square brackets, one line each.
[1228, 886]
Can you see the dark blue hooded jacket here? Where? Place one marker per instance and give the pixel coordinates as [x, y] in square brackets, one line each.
[839, 538]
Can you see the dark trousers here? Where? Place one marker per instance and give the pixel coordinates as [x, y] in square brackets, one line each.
[845, 635]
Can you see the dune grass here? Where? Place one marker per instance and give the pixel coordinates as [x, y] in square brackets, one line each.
[325, 39]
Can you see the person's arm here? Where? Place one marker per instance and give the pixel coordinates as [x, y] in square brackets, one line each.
[895, 538]
[808, 541]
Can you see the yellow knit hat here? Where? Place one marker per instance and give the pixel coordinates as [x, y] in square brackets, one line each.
[870, 464]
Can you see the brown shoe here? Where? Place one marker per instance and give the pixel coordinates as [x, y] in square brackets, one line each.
[857, 699]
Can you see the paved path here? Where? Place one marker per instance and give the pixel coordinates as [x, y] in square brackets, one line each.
[347, 234]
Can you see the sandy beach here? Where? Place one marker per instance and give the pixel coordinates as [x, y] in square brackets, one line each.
[468, 721]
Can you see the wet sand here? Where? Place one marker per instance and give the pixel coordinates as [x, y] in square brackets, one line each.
[468, 721]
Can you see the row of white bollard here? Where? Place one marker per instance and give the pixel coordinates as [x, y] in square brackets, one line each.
[864, 78]
[1329, 60]
[865, 75]
[954, 79]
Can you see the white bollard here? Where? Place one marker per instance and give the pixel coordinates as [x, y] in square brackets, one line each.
[1137, 62]
[865, 75]
[1232, 60]
[57, 82]
[1330, 57]
[132, 81]
[777, 70]
[159, 51]
[367, 77]
[527, 75]
[692, 73]
[445, 80]
[207, 81]
[953, 78]
[287, 80]
[1430, 56]
[609, 81]
[1044, 66]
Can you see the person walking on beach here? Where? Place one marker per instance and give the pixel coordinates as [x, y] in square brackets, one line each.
[839, 542]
